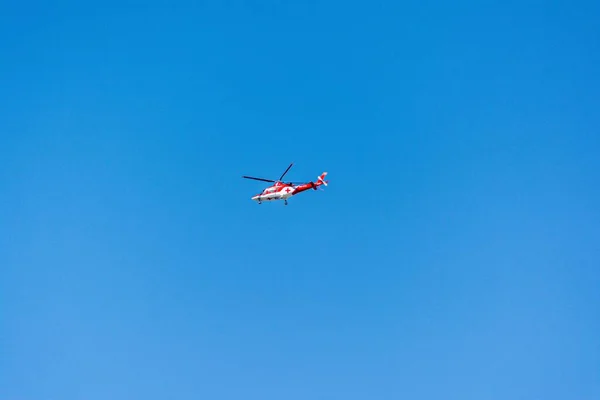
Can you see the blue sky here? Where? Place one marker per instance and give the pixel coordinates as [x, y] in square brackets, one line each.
[454, 254]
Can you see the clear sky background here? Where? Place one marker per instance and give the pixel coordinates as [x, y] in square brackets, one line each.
[454, 255]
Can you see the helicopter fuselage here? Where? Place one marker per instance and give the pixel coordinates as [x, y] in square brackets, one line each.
[275, 192]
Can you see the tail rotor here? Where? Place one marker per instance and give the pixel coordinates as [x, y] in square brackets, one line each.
[321, 180]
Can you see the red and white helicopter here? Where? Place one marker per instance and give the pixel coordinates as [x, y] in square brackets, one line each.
[284, 190]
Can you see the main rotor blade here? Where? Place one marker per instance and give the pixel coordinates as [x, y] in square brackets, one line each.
[288, 168]
[258, 179]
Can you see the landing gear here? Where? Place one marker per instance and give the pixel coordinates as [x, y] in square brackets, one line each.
[285, 202]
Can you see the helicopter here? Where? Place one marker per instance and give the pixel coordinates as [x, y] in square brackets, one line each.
[284, 190]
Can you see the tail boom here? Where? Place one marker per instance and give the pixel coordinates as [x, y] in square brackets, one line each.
[311, 185]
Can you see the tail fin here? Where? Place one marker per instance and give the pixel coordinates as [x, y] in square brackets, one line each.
[321, 179]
